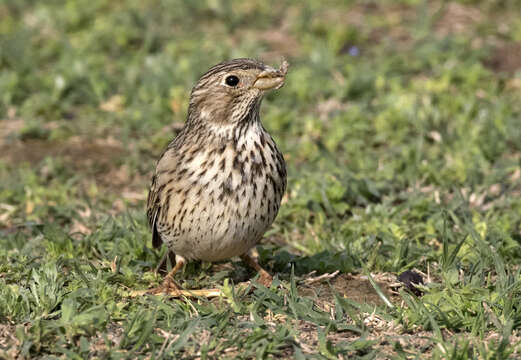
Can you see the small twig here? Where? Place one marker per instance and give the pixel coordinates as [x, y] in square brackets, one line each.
[113, 264]
[165, 347]
[310, 274]
[322, 277]
[209, 293]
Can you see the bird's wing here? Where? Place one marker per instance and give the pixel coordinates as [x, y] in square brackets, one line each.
[162, 200]
[153, 211]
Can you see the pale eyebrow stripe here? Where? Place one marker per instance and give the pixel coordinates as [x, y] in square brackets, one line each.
[241, 64]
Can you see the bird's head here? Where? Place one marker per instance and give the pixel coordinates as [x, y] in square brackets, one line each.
[230, 92]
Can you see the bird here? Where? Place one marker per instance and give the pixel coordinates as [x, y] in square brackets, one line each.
[218, 185]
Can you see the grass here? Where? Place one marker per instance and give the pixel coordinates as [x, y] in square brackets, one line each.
[400, 126]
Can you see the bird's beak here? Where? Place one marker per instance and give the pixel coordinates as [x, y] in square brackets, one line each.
[271, 78]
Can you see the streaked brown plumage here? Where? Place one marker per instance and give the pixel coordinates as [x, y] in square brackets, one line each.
[218, 185]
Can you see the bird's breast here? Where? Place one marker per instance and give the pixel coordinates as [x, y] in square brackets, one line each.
[231, 195]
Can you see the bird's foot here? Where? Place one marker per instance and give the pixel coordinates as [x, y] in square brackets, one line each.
[265, 278]
[167, 287]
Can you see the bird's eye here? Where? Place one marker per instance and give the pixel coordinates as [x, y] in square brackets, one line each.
[231, 80]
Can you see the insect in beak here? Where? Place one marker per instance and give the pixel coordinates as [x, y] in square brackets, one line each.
[272, 78]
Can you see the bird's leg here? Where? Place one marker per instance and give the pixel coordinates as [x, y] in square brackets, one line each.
[169, 285]
[264, 277]
[169, 282]
[171, 288]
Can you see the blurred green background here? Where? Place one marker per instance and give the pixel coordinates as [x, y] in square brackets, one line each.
[399, 121]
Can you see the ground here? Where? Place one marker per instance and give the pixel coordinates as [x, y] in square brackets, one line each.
[400, 125]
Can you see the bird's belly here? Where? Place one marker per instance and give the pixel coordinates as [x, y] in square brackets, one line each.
[225, 222]
[222, 231]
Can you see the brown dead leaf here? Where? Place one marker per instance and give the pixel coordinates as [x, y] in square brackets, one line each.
[494, 189]
[79, 228]
[114, 264]
[114, 104]
[436, 136]
[29, 207]
[476, 200]
[458, 18]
